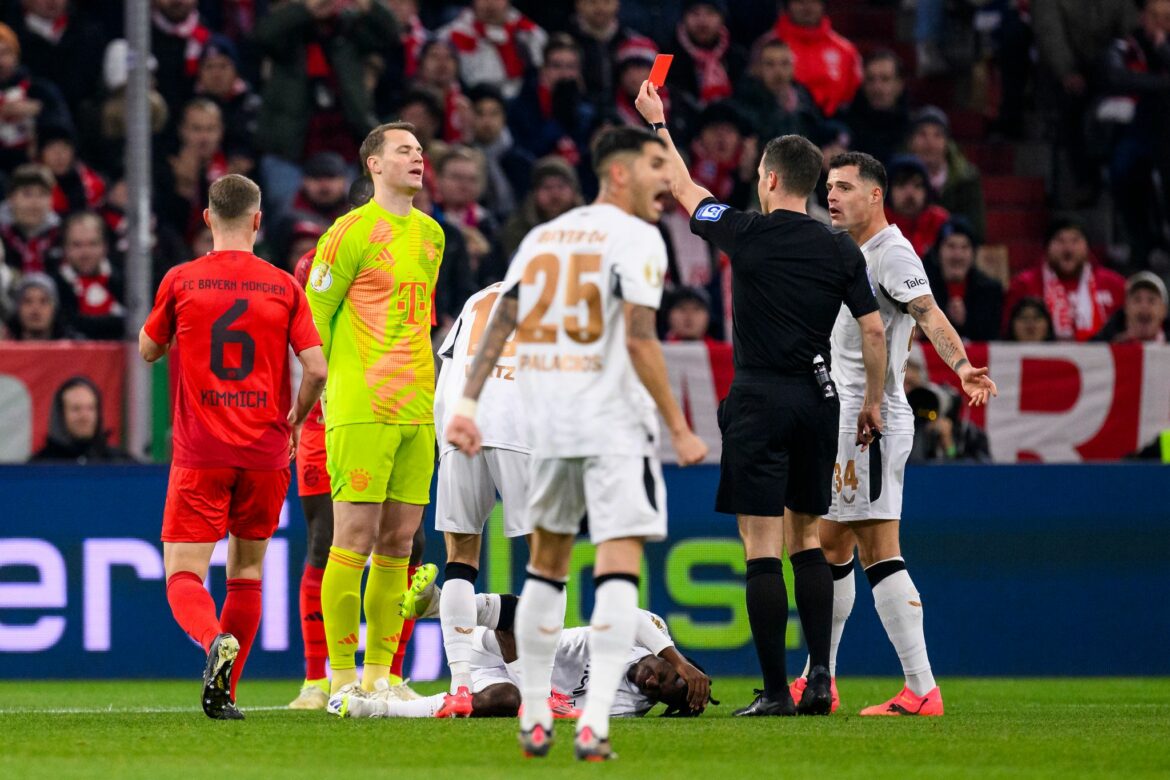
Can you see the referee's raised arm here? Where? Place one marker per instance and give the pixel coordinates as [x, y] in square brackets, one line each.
[682, 186]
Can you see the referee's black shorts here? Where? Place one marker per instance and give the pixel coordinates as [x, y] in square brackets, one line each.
[779, 446]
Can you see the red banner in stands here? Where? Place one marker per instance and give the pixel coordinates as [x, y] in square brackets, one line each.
[1058, 403]
[29, 377]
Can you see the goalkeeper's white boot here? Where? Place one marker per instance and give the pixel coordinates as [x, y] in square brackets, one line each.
[314, 695]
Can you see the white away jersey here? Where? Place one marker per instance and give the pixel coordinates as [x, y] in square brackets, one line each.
[898, 276]
[571, 664]
[579, 390]
[499, 419]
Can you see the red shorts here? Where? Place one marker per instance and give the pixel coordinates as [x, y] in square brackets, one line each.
[312, 476]
[204, 504]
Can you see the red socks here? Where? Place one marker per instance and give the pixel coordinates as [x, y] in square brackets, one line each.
[193, 607]
[404, 639]
[313, 624]
[241, 618]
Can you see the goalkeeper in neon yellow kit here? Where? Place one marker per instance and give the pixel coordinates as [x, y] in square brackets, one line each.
[371, 293]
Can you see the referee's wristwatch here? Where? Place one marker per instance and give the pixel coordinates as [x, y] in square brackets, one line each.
[656, 126]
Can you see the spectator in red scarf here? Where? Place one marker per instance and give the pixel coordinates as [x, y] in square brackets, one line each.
[723, 155]
[183, 179]
[600, 34]
[552, 114]
[1080, 295]
[89, 284]
[79, 187]
[60, 46]
[496, 44]
[28, 225]
[27, 103]
[178, 36]
[219, 80]
[826, 63]
[909, 206]
[438, 74]
[1143, 318]
[777, 104]
[707, 63]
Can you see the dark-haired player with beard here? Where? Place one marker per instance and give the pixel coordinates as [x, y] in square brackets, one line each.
[582, 295]
[867, 494]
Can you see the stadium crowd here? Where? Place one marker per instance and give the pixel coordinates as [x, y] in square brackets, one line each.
[507, 96]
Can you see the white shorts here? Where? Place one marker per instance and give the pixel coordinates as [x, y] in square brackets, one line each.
[487, 669]
[623, 496]
[868, 485]
[468, 486]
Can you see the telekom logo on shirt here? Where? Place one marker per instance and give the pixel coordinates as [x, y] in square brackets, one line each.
[412, 299]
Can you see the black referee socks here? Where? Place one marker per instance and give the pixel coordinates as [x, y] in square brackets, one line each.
[767, 606]
[813, 583]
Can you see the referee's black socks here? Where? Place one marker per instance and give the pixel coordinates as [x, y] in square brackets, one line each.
[813, 583]
[767, 606]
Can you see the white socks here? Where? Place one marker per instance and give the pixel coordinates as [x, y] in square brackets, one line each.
[487, 609]
[611, 637]
[457, 614]
[425, 707]
[900, 608]
[844, 594]
[540, 618]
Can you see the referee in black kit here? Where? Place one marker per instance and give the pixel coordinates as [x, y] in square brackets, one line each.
[790, 276]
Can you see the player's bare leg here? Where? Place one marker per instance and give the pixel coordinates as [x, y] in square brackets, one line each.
[611, 636]
[387, 582]
[318, 512]
[540, 618]
[899, 606]
[457, 614]
[355, 528]
[186, 566]
[767, 606]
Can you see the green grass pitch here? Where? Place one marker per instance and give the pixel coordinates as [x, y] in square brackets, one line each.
[1055, 728]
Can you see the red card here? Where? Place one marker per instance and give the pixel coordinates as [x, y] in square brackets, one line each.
[660, 69]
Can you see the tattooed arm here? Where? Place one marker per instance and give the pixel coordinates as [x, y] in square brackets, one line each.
[938, 329]
[462, 430]
[646, 355]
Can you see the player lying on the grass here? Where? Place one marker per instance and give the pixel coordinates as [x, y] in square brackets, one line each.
[655, 672]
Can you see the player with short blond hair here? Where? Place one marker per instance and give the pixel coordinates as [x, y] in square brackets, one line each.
[371, 290]
[232, 318]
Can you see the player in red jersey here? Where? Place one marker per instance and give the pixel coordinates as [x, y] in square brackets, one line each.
[231, 317]
[315, 492]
